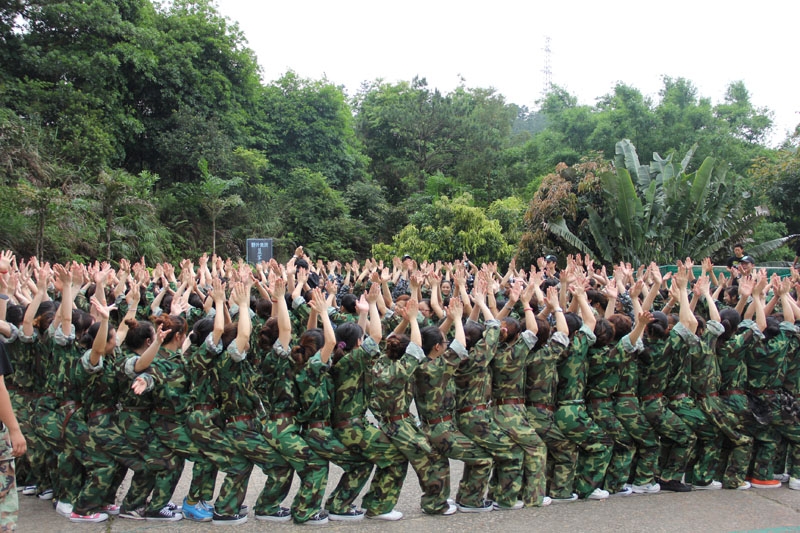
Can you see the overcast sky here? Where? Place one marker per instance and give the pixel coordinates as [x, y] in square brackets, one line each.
[500, 44]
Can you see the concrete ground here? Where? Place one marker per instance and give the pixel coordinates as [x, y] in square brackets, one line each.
[708, 511]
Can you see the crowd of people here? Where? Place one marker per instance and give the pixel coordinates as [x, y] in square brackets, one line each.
[551, 385]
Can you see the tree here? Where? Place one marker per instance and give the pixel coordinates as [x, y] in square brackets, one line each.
[214, 198]
[655, 212]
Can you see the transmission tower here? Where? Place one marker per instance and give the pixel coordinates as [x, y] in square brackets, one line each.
[547, 70]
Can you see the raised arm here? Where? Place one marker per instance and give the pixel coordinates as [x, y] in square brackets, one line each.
[282, 312]
[375, 325]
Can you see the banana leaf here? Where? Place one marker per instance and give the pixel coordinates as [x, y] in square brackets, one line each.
[767, 247]
[560, 230]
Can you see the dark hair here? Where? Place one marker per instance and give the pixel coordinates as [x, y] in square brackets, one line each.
[543, 334]
[309, 343]
[596, 297]
[301, 263]
[604, 332]
[473, 332]
[195, 300]
[15, 314]
[773, 328]
[43, 321]
[166, 302]
[701, 324]
[87, 339]
[347, 337]
[431, 336]
[732, 293]
[349, 303]
[82, 321]
[175, 324]
[263, 308]
[138, 333]
[229, 333]
[268, 334]
[730, 320]
[396, 346]
[574, 323]
[658, 328]
[622, 325]
[512, 329]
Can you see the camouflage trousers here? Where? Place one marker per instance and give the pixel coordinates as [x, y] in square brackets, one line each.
[161, 461]
[644, 437]
[284, 436]
[677, 439]
[248, 441]
[416, 449]
[619, 466]
[732, 438]
[513, 421]
[174, 433]
[364, 439]
[480, 426]
[449, 443]
[594, 446]
[562, 454]
[31, 468]
[767, 438]
[9, 499]
[106, 436]
[708, 448]
[324, 442]
[86, 475]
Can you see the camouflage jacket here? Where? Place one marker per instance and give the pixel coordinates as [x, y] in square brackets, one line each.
[315, 386]
[66, 378]
[706, 377]
[393, 382]
[435, 389]
[628, 365]
[541, 374]
[572, 368]
[174, 389]
[508, 367]
[791, 381]
[473, 379]
[349, 380]
[731, 356]
[680, 365]
[766, 364]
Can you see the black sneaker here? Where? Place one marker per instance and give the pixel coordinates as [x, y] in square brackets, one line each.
[165, 514]
[674, 485]
[319, 518]
[353, 515]
[484, 507]
[281, 515]
[228, 519]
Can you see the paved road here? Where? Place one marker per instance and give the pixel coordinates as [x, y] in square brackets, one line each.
[707, 511]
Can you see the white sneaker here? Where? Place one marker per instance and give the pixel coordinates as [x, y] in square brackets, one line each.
[519, 504]
[64, 509]
[391, 515]
[572, 498]
[598, 494]
[783, 478]
[744, 486]
[650, 488]
[794, 483]
[547, 500]
[451, 509]
[713, 485]
[624, 491]
[30, 490]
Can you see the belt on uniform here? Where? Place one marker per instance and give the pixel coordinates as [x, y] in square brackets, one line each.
[767, 392]
[164, 412]
[74, 406]
[282, 414]
[652, 396]
[510, 401]
[733, 392]
[133, 408]
[571, 402]
[470, 408]
[598, 401]
[396, 418]
[204, 406]
[677, 397]
[544, 406]
[444, 418]
[100, 412]
[319, 424]
[344, 423]
[624, 395]
[238, 418]
[709, 395]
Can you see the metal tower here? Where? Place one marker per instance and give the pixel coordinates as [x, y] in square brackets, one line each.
[547, 70]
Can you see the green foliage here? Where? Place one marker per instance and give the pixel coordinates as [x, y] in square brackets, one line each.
[446, 229]
[658, 212]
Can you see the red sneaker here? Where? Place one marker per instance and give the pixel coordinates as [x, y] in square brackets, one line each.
[93, 517]
[764, 483]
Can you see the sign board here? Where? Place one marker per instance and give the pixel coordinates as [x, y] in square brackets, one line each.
[259, 250]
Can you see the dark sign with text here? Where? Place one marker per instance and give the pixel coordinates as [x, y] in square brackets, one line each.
[259, 250]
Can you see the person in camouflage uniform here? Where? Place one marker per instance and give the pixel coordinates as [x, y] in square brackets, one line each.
[571, 416]
[353, 357]
[392, 380]
[508, 367]
[540, 400]
[434, 396]
[12, 445]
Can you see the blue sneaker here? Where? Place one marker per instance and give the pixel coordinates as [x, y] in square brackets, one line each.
[196, 512]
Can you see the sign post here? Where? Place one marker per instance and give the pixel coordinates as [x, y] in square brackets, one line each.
[259, 250]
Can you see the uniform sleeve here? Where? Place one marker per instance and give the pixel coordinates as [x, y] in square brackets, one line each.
[415, 351]
[280, 350]
[14, 335]
[370, 346]
[752, 326]
[235, 354]
[685, 335]
[458, 349]
[714, 329]
[529, 338]
[211, 347]
[629, 347]
[60, 338]
[86, 362]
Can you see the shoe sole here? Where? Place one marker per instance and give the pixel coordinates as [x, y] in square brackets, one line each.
[697, 487]
[275, 519]
[200, 520]
[322, 522]
[152, 519]
[465, 509]
[345, 518]
[765, 486]
[130, 517]
[241, 520]
[385, 519]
